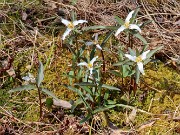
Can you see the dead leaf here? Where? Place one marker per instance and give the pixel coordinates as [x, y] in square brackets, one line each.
[62, 103]
[146, 125]
[131, 116]
[24, 16]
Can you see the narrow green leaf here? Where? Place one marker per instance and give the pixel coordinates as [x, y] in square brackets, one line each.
[137, 75]
[132, 52]
[141, 38]
[80, 94]
[85, 84]
[109, 87]
[76, 103]
[144, 48]
[134, 15]
[86, 118]
[121, 63]
[93, 52]
[49, 93]
[106, 38]
[40, 76]
[153, 51]
[145, 23]
[119, 20]
[104, 108]
[115, 73]
[99, 27]
[23, 87]
[86, 89]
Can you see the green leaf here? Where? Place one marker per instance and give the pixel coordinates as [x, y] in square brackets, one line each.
[104, 108]
[23, 87]
[80, 94]
[106, 38]
[77, 102]
[144, 48]
[146, 61]
[121, 63]
[49, 93]
[85, 119]
[86, 89]
[109, 87]
[49, 102]
[99, 27]
[81, 51]
[132, 52]
[153, 51]
[119, 20]
[40, 76]
[93, 52]
[115, 73]
[145, 23]
[111, 102]
[137, 75]
[141, 38]
[134, 15]
[85, 84]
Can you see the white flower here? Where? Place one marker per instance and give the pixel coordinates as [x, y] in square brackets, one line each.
[127, 24]
[89, 65]
[70, 26]
[95, 42]
[139, 60]
[29, 78]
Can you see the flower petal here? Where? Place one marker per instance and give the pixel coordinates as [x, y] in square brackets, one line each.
[93, 60]
[96, 36]
[119, 30]
[143, 55]
[99, 47]
[134, 26]
[26, 78]
[129, 16]
[91, 70]
[89, 43]
[79, 21]
[140, 67]
[66, 33]
[82, 64]
[64, 21]
[133, 58]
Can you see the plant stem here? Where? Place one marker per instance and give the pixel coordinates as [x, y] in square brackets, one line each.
[102, 54]
[40, 102]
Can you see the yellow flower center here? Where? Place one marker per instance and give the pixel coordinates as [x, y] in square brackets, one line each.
[126, 24]
[70, 25]
[90, 65]
[138, 59]
[95, 42]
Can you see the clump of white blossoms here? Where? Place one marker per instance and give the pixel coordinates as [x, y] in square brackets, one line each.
[138, 60]
[29, 78]
[89, 65]
[95, 42]
[70, 26]
[127, 24]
